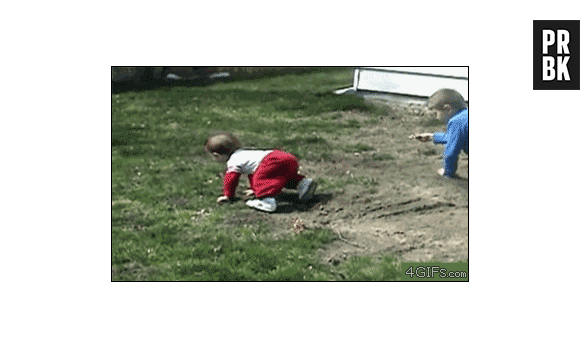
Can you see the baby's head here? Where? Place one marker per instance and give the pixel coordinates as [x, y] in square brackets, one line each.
[222, 145]
[446, 103]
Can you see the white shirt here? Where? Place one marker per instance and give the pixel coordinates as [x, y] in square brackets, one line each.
[246, 161]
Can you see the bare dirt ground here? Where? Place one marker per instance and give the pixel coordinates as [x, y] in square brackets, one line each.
[398, 206]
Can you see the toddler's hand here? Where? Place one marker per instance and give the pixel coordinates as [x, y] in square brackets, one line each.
[423, 137]
[248, 193]
[223, 199]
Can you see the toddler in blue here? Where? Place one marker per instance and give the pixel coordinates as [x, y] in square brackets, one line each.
[451, 109]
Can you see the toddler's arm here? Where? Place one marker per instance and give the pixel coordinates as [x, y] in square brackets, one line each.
[440, 138]
[231, 180]
[454, 143]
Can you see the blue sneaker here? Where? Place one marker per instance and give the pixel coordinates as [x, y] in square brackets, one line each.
[306, 189]
[265, 204]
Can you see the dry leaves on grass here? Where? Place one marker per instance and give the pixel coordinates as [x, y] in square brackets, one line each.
[298, 225]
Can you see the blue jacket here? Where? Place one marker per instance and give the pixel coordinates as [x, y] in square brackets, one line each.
[455, 139]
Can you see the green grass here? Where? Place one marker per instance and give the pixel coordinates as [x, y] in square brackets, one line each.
[382, 157]
[162, 179]
[371, 268]
[430, 152]
[357, 148]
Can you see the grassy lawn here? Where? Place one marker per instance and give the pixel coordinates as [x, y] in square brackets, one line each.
[165, 222]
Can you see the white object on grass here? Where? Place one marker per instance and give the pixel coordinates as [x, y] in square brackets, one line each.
[420, 82]
[173, 77]
[265, 204]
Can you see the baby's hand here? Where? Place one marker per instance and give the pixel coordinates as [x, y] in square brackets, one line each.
[223, 199]
[423, 137]
[248, 193]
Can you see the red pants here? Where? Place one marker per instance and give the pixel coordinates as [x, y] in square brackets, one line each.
[278, 170]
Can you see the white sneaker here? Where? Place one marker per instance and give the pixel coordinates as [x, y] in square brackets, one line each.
[306, 188]
[265, 204]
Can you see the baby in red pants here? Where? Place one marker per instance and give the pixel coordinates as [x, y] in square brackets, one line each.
[269, 171]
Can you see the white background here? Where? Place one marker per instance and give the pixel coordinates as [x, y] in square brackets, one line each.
[57, 160]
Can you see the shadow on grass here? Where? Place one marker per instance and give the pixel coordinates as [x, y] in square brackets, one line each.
[151, 85]
[289, 202]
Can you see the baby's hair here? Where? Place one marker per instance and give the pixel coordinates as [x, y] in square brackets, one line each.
[222, 143]
[446, 96]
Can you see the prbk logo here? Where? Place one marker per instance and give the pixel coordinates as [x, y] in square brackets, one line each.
[556, 55]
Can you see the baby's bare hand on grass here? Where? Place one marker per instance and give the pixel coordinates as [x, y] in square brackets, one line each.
[248, 193]
[423, 137]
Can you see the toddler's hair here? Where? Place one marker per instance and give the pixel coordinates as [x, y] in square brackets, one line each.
[222, 143]
[446, 96]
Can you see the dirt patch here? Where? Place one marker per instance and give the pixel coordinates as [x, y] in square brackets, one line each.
[391, 201]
